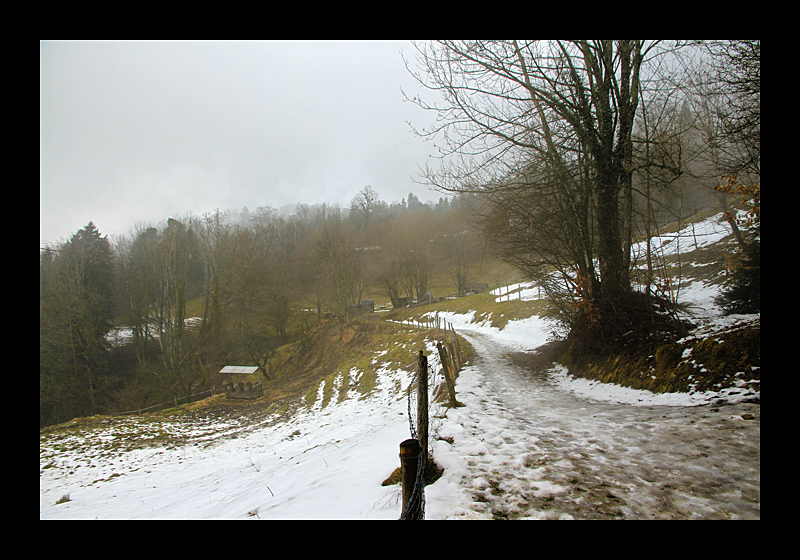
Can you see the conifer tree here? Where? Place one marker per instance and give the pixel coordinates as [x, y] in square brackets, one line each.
[743, 293]
[76, 311]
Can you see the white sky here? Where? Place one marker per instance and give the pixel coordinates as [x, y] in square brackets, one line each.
[137, 132]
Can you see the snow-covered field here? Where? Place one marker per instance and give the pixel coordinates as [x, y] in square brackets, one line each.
[329, 462]
[326, 463]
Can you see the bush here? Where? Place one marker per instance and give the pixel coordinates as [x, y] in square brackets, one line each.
[629, 324]
[743, 294]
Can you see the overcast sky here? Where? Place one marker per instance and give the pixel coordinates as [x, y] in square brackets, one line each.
[137, 132]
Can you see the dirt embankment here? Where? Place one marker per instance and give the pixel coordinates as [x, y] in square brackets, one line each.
[705, 361]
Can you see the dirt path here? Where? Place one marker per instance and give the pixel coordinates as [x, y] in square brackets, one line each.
[547, 453]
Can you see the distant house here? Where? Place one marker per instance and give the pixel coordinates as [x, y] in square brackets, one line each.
[366, 306]
[476, 287]
[239, 369]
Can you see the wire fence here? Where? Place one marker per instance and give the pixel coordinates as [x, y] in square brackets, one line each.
[414, 501]
[424, 418]
[176, 402]
[414, 508]
[435, 414]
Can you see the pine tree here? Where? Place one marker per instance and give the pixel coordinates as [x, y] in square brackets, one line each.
[76, 309]
[743, 294]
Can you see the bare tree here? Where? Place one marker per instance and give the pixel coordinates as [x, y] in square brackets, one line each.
[338, 265]
[364, 206]
[457, 242]
[735, 79]
[542, 131]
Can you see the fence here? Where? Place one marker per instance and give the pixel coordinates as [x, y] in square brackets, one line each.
[238, 391]
[450, 356]
[414, 453]
[170, 404]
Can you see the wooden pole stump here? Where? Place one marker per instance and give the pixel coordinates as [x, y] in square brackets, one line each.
[422, 409]
[409, 457]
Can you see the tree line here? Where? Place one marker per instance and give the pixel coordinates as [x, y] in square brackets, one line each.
[195, 293]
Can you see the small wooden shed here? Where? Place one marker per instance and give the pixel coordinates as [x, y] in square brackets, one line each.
[241, 382]
[476, 287]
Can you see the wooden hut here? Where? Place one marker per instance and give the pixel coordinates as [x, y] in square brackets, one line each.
[241, 382]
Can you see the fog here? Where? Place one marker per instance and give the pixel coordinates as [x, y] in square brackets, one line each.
[136, 132]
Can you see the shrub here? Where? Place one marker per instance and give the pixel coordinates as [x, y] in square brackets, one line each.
[743, 294]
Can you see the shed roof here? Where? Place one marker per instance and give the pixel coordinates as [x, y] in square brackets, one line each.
[239, 369]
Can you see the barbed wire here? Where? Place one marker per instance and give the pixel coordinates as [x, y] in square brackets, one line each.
[435, 371]
[415, 506]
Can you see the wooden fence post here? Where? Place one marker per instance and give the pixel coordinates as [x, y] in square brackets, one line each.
[422, 409]
[457, 347]
[409, 456]
[449, 374]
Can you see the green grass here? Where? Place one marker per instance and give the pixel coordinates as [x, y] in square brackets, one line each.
[484, 306]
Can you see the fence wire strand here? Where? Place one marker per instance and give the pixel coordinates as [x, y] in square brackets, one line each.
[415, 507]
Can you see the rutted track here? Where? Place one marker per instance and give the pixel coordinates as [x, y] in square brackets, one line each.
[549, 453]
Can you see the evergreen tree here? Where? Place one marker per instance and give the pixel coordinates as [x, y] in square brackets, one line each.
[743, 294]
[90, 255]
[76, 309]
[414, 203]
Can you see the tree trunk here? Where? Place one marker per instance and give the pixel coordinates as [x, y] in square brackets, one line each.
[613, 277]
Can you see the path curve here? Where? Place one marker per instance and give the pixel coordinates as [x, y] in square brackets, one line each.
[530, 449]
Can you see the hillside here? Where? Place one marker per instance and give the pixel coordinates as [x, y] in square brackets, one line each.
[325, 434]
[718, 353]
[332, 418]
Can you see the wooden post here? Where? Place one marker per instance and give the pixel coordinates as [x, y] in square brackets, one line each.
[409, 455]
[449, 374]
[457, 348]
[422, 409]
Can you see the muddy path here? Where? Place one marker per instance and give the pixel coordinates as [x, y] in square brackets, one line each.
[537, 450]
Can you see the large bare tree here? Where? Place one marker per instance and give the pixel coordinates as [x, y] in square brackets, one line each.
[542, 131]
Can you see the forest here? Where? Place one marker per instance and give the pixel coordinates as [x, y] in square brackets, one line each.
[226, 287]
[559, 157]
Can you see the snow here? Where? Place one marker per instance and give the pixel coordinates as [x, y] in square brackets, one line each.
[525, 335]
[328, 462]
[692, 237]
[523, 291]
